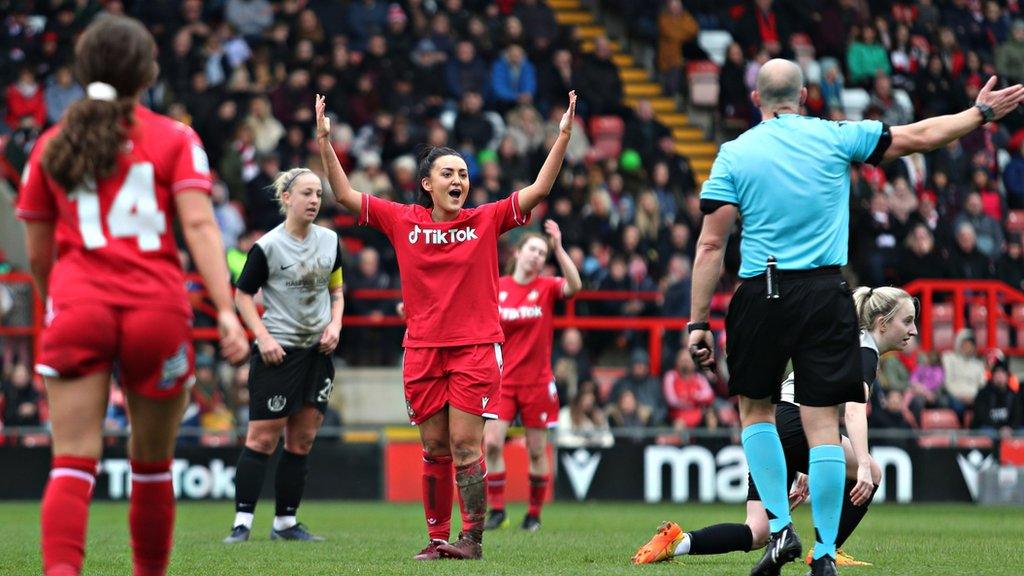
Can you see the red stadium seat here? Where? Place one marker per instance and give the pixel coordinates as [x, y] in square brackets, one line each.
[606, 137]
[604, 378]
[703, 80]
[980, 442]
[939, 419]
[942, 312]
[934, 441]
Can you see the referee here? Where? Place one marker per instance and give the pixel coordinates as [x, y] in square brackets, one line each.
[789, 179]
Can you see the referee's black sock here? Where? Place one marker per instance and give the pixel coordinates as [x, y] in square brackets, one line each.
[851, 515]
[290, 482]
[249, 473]
[721, 538]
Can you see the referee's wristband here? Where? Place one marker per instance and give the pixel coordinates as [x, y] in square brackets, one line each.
[987, 114]
[692, 326]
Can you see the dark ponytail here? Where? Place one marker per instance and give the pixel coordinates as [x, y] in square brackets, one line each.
[119, 52]
[426, 155]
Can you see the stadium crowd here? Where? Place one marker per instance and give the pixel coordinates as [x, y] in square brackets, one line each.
[489, 78]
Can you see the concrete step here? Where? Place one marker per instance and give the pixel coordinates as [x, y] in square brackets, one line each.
[697, 149]
[701, 164]
[642, 89]
[574, 18]
[589, 32]
[588, 46]
[660, 105]
[561, 5]
[634, 75]
[674, 119]
[688, 134]
[623, 60]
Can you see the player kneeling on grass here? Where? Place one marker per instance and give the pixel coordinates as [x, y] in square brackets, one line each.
[526, 303]
[886, 316]
[298, 267]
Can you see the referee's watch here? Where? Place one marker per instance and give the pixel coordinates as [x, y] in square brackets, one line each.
[987, 114]
[693, 326]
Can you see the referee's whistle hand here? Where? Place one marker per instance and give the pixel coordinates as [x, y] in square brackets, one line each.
[1002, 101]
[701, 348]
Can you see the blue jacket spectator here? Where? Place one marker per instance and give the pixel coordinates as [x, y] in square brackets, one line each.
[1013, 178]
[62, 92]
[365, 17]
[513, 78]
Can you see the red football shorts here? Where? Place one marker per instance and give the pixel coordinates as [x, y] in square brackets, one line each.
[464, 377]
[536, 404]
[151, 349]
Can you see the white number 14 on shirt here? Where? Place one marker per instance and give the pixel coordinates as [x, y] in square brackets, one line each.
[133, 213]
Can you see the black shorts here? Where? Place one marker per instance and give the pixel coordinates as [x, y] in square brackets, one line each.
[304, 377]
[794, 445]
[814, 324]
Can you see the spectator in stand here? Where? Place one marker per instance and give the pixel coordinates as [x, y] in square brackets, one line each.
[61, 92]
[21, 399]
[539, 26]
[1013, 175]
[1010, 54]
[919, 258]
[599, 79]
[369, 176]
[765, 27]
[733, 97]
[472, 127]
[964, 370]
[965, 259]
[571, 366]
[895, 113]
[926, 384]
[1010, 266]
[249, 17]
[887, 411]
[365, 18]
[676, 27]
[644, 131]
[688, 395]
[581, 422]
[627, 412]
[513, 79]
[991, 199]
[642, 385]
[866, 58]
[467, 72]
[936, 91]
[988, 232]
[997, 409]
[229, 220]
[554, 78]
[875, 233]
[267, 131]
[25, 98]
[372, 347]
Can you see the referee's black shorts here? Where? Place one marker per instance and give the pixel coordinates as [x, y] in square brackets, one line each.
[813, 323]
[304, 377]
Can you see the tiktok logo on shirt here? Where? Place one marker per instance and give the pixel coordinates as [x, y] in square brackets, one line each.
[442, 236]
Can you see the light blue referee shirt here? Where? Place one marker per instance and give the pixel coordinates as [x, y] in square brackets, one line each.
[790, 178]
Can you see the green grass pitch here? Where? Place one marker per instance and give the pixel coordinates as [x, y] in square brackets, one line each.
[593, 539]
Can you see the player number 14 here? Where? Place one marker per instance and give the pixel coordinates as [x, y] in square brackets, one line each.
[133, 213]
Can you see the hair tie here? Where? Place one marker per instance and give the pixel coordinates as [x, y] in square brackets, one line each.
[101, 91]
[870, 292]
[288, 184]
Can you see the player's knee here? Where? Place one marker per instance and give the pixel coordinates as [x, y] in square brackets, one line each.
[436, 448]
[261, 441]
[464, 452]
[300, 443]
[495, 447]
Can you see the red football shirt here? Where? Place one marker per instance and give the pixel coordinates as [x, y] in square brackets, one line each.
[449, 270]
[527, 314]
[116, 244]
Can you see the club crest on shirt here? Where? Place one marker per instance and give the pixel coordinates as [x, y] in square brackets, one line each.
[502, 296]
[276, 403]
[533, 295]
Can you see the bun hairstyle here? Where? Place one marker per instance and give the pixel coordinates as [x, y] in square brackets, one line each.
[426, 156]
[523, 239]
[115, 59]
[873, 303]
[283, 183]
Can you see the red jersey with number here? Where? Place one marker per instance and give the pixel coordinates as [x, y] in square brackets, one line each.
[449, 270]
[527, 316]
[115, 239]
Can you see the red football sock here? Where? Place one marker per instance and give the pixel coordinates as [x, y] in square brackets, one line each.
[438, 493]
[538, 491]
[496, 490]
[471, 479]
[151, 517]
[64, 514]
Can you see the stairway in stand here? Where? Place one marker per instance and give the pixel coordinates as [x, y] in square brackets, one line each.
[638, 85]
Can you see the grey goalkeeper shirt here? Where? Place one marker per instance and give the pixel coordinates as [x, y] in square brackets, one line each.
[295, 276]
